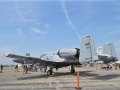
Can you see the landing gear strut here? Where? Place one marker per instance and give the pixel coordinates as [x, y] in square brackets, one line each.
[72, 69]
[45, 68]
[50, 71]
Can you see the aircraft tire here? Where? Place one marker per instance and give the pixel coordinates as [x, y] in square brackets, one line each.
[49, 72]
[72, 71]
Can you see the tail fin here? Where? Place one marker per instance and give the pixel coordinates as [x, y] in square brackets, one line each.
[88, 51]
[109, 49]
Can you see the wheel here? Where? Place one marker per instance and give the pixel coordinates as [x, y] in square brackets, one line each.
[72, 71]
[49, 72]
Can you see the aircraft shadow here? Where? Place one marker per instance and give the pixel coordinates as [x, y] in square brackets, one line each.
[107, 77]
[98, 76]
[32, 77]
[93, 76]
[56, 74]
[43, 76]
[87, 74]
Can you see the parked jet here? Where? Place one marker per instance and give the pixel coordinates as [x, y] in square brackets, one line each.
[65, 57]
[107, 53]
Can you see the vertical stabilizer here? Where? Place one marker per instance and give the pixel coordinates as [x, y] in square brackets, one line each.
[109, 49]
[88, 51]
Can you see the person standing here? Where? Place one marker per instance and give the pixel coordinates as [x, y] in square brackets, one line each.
[16, 68]
[1, 68]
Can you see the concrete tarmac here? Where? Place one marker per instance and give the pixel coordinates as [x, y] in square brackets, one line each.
[90, 79]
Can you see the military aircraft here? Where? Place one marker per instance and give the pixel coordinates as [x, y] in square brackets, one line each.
[66, 57]
[107, 53]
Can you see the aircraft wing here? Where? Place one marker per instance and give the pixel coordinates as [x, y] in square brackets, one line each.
[33, 60]
[24, 59]
[107, 59]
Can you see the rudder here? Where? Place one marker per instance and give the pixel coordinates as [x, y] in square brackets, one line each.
[88, 51]
[109, 49]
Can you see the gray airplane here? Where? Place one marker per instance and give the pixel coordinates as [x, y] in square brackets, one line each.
[67, 57]
[107, 53]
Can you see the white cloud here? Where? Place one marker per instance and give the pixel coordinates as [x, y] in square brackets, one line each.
[69, 19]
[24, 13]
[37, 31]
[67, 16]
[18, 12]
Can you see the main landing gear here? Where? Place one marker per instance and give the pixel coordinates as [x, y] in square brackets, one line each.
[72, 69]
[50, 71]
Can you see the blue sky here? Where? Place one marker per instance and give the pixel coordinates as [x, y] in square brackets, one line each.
[35, 26]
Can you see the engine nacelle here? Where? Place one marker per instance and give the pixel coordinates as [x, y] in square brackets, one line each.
[69, 53]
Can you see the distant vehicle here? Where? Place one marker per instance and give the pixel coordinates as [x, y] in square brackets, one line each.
[66, 57]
